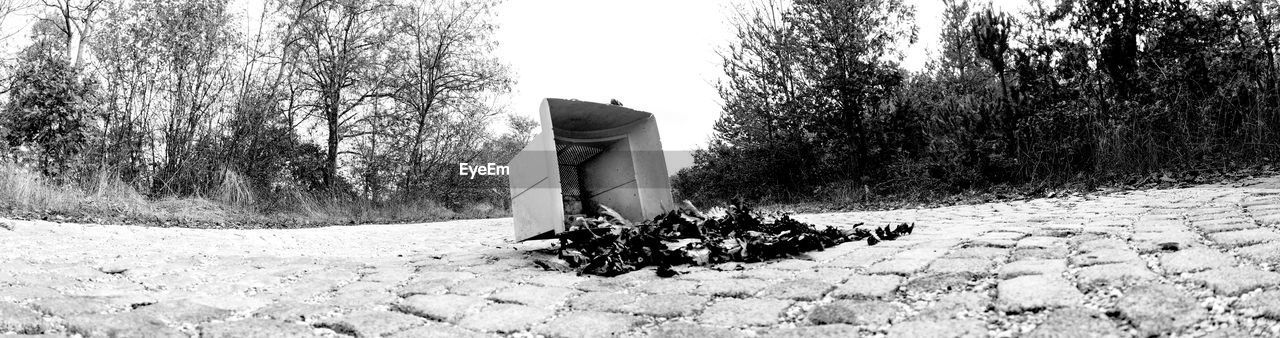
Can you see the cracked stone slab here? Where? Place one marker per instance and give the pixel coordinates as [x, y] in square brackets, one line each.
[1036, 292]
[1233, 281]
[1157, 309]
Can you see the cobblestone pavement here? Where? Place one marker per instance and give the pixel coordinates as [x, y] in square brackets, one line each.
[1183, 262]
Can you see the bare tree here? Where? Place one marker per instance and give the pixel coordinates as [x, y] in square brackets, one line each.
[75, 19]
[448, 69]
[340, 52]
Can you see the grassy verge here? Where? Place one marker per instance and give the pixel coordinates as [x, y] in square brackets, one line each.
[25, 194]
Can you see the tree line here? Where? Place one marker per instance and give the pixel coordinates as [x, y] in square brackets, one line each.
[817, 103]
[374, 101]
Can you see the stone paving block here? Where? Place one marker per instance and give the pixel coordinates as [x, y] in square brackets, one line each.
[556, 279]
[375, 323]
[1112, 274]
[1262, 253]
[732, 312]
[1039, 253]
[816, 331]
[767, 274]
[674, 329]
[503, 318]
[1194, 259]
[590, 324]
[449, 308]
[737, 287]
[668, 286]
[119, 325]
[1233, 281]
[184, 311]
[799, 289]
[868, 287]
[437, 330]
[1146, 242]
[1106, 256]
[938, 282]
[536, 296]
[898, 266]
[16, 293]
[1035, 292]
[666, 305]
[1041, 242]
[602, 301]
[949, 328]
[16, 318]
[1232, 225]
[255, 327]
[980, 252]
[1263, 304]
[998, 239]
[856, 312]
[1239, 238]
[792, 264]
[1102, 244]
[1157, 309]
[479, 287]
[1047, 267]
[973, 266]
[956, 305]
[863, 257]
[292, 311]
[424, 287]
[825, 274]
[1075, 322]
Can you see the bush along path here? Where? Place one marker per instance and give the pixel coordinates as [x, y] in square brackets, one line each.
[611, 245]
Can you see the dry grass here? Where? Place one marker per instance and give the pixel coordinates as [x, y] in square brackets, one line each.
[104, 198]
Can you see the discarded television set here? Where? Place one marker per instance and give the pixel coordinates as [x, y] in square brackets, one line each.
[585, 155]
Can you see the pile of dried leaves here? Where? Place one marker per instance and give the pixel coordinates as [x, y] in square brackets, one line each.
[610, 245]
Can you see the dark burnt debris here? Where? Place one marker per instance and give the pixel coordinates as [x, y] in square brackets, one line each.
[611, 245]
